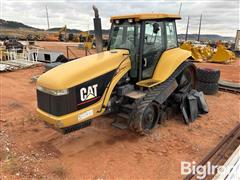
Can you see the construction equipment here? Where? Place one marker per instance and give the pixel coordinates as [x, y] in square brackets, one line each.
[87, 39]
[200, 53]
[206, 52]
[142, 77]
[186, 46]
[196, 51]
[222, 55]
[62, 34]
[196, 54]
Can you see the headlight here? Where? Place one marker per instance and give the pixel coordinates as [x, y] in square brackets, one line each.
[53, 92]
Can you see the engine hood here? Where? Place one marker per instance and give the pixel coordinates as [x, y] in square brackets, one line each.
[81, 70]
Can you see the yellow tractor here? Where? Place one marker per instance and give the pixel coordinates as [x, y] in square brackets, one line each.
[141, 76]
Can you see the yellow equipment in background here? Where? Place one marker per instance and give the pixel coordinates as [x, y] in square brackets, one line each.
[196, 51]
[87, 39]
[222, 55]
[206, 52]
[196, 54]
[62, 36]
[186, 46]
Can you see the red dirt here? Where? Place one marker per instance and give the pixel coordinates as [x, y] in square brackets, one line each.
[31, 150]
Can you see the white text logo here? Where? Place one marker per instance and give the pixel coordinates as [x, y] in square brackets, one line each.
[88, 93]
[201, 171]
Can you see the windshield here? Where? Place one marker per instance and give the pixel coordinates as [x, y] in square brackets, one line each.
[125, 36]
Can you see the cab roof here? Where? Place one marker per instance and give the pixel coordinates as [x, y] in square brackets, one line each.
[147, 16]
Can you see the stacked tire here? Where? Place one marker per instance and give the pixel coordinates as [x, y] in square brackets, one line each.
[208, 80]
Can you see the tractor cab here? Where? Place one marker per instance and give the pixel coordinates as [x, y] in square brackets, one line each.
[146, 36]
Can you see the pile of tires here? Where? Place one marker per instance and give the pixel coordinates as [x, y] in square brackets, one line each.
[208, 80]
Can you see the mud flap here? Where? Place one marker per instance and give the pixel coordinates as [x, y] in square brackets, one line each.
[193, 104]
[202, 105]
[183, 108]
[193, 107]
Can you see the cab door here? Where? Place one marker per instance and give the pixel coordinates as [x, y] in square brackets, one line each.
[153, 47]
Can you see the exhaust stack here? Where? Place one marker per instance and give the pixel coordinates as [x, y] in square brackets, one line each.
[98, 30]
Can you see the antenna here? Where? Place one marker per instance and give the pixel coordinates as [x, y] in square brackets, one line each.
[186, 36]
[199, 31]
[47, 17]
[180, 8]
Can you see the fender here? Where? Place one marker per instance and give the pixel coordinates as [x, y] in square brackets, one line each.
[169, 61]
[122, 70]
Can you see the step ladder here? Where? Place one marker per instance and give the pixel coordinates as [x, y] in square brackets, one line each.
[122, 118]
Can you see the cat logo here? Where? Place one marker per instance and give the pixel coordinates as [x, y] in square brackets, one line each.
[88, 93]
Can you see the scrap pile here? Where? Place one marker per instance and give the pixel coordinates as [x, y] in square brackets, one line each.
[12, 65]
[14, 55]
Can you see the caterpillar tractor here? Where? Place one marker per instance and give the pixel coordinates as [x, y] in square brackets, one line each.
[141, 77]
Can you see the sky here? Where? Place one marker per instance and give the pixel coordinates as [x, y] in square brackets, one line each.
[219, 16]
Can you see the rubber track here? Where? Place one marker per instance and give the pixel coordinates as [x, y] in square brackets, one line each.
[152, 93]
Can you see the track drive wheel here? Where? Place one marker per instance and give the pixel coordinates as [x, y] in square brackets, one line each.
[145, 119]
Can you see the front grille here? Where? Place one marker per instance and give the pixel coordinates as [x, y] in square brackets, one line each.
[57, 105]
[61, 105]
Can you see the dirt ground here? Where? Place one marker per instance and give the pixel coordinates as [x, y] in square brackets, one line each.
[29, 149]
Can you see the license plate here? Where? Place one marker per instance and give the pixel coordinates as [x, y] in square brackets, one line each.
[85, 115]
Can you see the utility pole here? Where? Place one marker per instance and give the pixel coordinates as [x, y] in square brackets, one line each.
[47, 17]
[199, 31]
[180, 8]
[186, 36]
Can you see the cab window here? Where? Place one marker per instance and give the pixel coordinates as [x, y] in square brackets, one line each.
[126, 36]
[171, 34]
